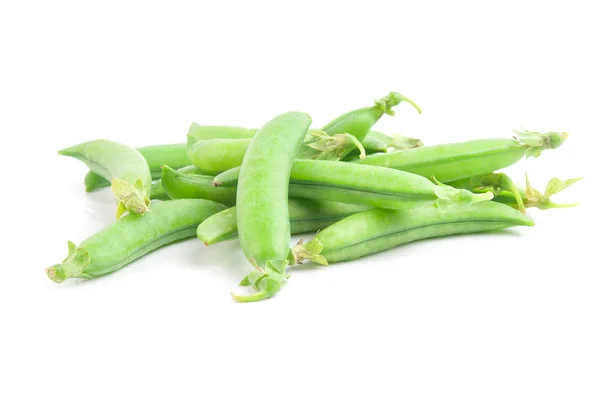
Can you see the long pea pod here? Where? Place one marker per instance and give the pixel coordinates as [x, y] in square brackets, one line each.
[379, 229]
[306, 215]
[373, 186]
[449, 162]
[131, 237]
[178, 184]
[173, 155]
[262, 202]
[215, 149]
[124, 166]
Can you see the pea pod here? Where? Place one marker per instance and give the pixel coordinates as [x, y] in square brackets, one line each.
[379, 229]
[305, 216]
[449, 162]
[366, 185]
[131, 237]
[262, 202]
[174, 155]
[178, 184]
[358, 123]
[215, 149]
[124, 166]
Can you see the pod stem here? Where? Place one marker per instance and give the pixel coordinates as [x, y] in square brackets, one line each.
[449, 196]
[130, 198]
[392, 99]
[310, 250]
[72, 267]
[334, 147]
[536, 142]
[543, 201]
[266, 281]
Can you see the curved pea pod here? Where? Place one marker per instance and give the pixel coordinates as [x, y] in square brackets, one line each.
[173, 155]
[124, 166]
[305, 216]
[178, 184]
[378, 229]
[131, 237]
[262, 202]
[449, 162]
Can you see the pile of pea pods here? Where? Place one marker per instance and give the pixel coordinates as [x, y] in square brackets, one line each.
[360, 191]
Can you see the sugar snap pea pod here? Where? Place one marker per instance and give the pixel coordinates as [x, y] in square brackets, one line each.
[262, 202]
[449, 162]
[305, 216]
[179, 184]
[366, 185]
[379, 229]
[131, 237]
[124, 166]
[360, 121]
[174, 155]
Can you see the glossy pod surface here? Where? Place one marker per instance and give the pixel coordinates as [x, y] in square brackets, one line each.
[305, 216]
[132, 237]
[262, 194]
[449, 162]
[376, 230]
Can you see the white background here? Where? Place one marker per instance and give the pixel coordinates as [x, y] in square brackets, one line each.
[495, 320]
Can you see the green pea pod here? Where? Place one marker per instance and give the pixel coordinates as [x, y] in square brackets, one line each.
[178, 184]
[358, 123]
[173, 155]
[305, 216]
[131, 237]
[449, 162]
[378, 229]
[124, 166]
[366, 185]
[262, 202]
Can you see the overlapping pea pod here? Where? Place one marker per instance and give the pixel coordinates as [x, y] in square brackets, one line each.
[455, 161]
[131, 237]
[215, 149]
[376, 230]
[262, 202]
[506, 192]
[372, 186]
[173, 155]
[124, 166]
[306, 215]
